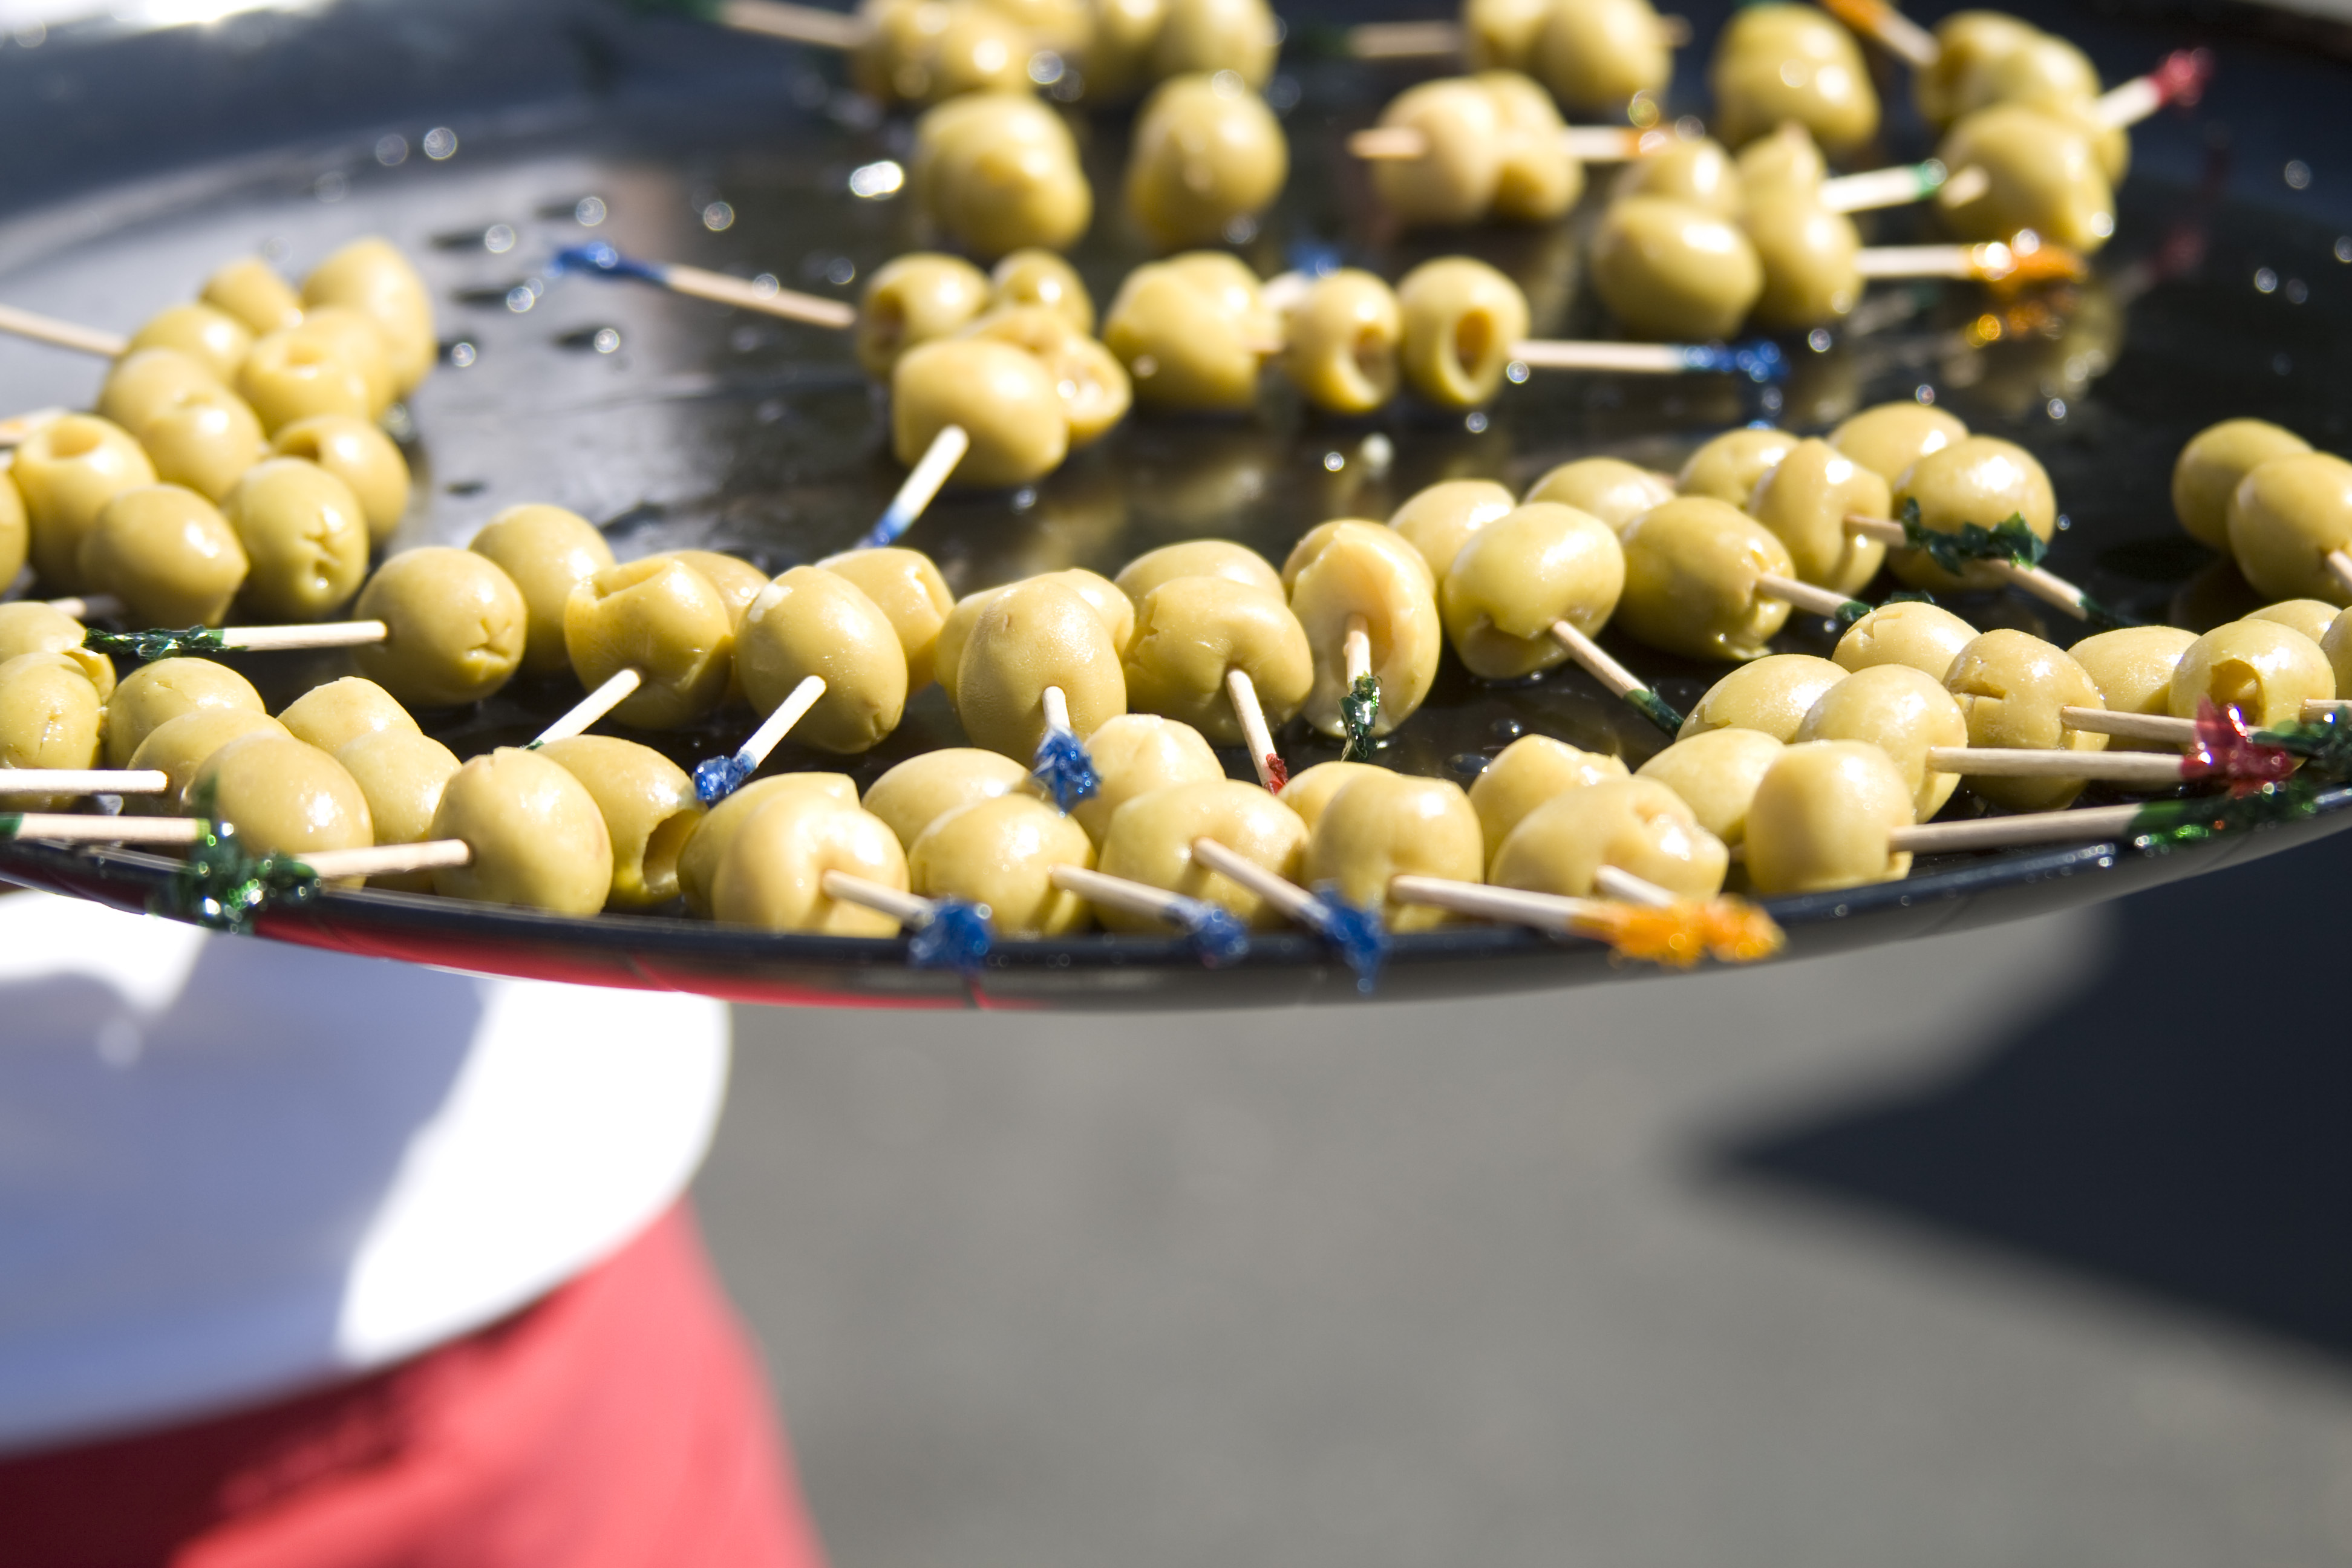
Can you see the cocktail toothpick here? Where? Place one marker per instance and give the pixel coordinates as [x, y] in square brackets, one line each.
[1760, 360]
[599, 260]
[1063, 764]
[1436, 39]
[716, 778]
[2179, 78]
[163, 643]
[583, 713]
[1678, 934]
[1994, 261]
[942, 933]
[1621, 682]
[2340, 566]
[1880, 20]
[48, 330]
[2225, 750]
[920, 486]
[1900, 185]
[1360, 706]
[1585, 143]
[2010, 551]
[1272, 771]
[1361, 942]
[1215, 935]
[68, 828]
[83, 780]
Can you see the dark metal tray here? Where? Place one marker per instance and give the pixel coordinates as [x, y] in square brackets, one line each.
[149, 156]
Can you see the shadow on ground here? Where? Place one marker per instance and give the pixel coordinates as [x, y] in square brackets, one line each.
[2178, 1127]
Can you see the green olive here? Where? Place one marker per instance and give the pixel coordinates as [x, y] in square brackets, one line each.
[1805, 498]
[1036, 277]
[360, 454]
[1366, 570]
[772, 874]
[1031, 636]
[284, 796]
[1309, 791]
[456, 627]
[1191, 633]
[1902, 712]
[1787, 162]
[28, 625]
[947, 654]
[2027, 66]
[358, 341]
[1675, 271]
[998, 172]
[214, 338]
[714, 834]
[250, 290]
[2312, 617]
[1696, 173]
[2132, 667]
[1922, 636]
[1690, 580]
[66, 472]
[812, 622]
[910, 592]
[1500, 35]
[649, 808]
[151, 381]
[2011, 687]
[1540, 180]
[1891, 436]
[1463, 321]
[1115, 608]
[1136, 753]
[1528, 772]
[1118, 51]
[1730, 467]
[1716, 774]
[167, 553]
[50, 717]
[1610, 488]
[1596, 54]
[297, 374]
[1982, 480]
[1002, 397]
[537, 837]
[2041, 172]
[1811, 276]
[1191, 338]
[332, 716]
[925, 787]
[205, 439]
[1632, 825]
[1208, 154]
[739, 582]
[1388, 541]
[1520, 575]
[1340, 342]
[16, 532]
[664, 620]
[154, 694]
[1380, 825]
[305, 538]
[1196, 558]
[1966, 43]
[1439, 520]
[1150, 841]
[923, 51]
[546, 552]
[178, 747]
[1092, 385]
[1770, 695]
[2337, 646]
[914, 298]
[402, 773]
[2265, 671]
[1000, 853]
[1454, 181]
[371, 276]
[1781, 62]
[1821, 818]
[1238, 36]
[2285, 518]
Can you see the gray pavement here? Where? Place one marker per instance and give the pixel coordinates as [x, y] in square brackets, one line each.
[2016, 1247]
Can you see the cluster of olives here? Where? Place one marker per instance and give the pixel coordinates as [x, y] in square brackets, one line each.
[1592, 55]
[926, 51]
[234, 457]
[2260, 494]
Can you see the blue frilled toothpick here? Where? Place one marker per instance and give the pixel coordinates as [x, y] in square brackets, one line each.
[716, 778]
[1063, 764]
[1216, 937]
[1356, 934]
[599, 260]
[942, 933]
